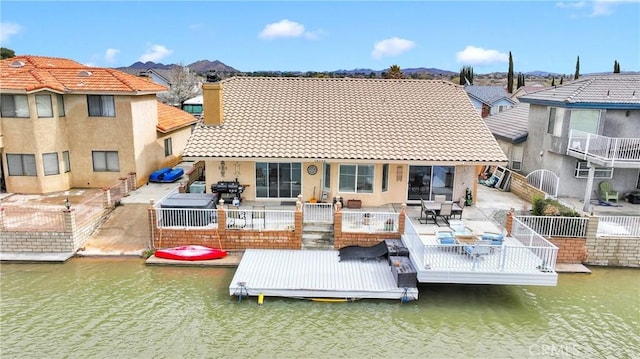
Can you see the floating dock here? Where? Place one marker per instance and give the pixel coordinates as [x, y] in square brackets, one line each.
[316, 274]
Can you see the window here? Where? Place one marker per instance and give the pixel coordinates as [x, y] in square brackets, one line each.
[278, 180]
[21, 164]
[555, 121]
[101, 106]
[14, 106]
[66, 162]
[327, 175]
[385, 177]
[50, 163]
[516, 158]
[582, 171]
[43, 105]
[60, 106]
[168, 150]
[105, 161]
[356, 178]
[585, 120]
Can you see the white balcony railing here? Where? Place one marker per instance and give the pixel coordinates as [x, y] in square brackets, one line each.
[619, 226]
[609, 150]
[554, 226]
[369, 222]
[247, 219]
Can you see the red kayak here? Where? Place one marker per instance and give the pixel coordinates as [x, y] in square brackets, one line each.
[191, 253]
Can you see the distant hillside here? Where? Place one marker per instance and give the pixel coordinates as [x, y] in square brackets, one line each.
[202, 66]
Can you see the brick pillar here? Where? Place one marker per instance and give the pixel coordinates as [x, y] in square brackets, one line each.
[337, 226]
[153, 228]
[106, 197]
[298, 225]
[1, 219]
[222, 216]
[124, 186]
[182, 188]
[591, 244]
[509, 222]
[402, 218]
[70, 226]
[133, 181]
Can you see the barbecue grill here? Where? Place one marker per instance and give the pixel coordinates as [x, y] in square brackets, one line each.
[227, 190]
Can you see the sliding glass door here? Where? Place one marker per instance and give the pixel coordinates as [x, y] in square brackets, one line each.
[278, 180]
[428, 181]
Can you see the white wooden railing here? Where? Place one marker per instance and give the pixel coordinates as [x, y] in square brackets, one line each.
[605, 148]
[369, 222]
[619, 226]
[555, 226]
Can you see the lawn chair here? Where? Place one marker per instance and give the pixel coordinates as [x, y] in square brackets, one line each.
[425, 214]
[458, 208]
[446, 210]
[607, 193]
[440, 198]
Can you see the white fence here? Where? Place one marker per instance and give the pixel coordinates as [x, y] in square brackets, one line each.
[554, 226]
[544, 180]
[318, 212]
[248, 219]
[619, 226]
[605, 148]
[370, 222]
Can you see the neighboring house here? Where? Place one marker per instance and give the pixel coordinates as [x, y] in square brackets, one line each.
[159, 76]
[67, 125]
[489, 100]
[523, 90]
[377, 141]
[510, 130]
[193, 106]
[586, 131]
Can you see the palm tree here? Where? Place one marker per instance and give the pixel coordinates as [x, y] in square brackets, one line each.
[394, 72]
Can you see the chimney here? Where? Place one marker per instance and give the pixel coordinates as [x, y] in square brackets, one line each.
[212, 104]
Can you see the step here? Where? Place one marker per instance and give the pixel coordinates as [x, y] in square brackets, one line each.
[317, 228]
[324, 237]
[317, 246]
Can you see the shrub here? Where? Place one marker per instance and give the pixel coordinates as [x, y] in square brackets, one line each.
[551, 207]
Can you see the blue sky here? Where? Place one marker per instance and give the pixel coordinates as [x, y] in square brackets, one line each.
[331, 35]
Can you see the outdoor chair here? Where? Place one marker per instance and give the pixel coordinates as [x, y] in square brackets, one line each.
[258, 216]
[607, 193]
[425, 214]
[446, 210]
[445, 236]
[457, 210]
[440, 198]
[478, 249]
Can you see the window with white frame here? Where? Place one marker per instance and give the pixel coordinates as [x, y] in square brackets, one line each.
[21, 164]
[582, 171]
[14, 106]
[66, 162]
[44, 106]
[516, 158]
[168, 149]
[385, 177]
[556, 115]
[105, 161]
[101, 106]
[60, 106]
[356, 178]
[585, 120]
[50, 164]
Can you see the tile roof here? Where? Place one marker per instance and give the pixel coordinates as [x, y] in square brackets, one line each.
[602, 89]
[357, 119]
[33, 73]
[487, 94]
[511, 124]
[171, 118]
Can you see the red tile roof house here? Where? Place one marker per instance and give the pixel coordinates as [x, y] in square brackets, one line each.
[373, 140]
[66, 125]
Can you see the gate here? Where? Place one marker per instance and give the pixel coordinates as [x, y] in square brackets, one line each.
[317, 213]
[544, 180]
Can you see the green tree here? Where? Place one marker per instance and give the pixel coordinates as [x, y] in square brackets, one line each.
[510, 75]
[394, 72]
[553, 81]
[6, 53]
[616, 67]
[561, 79]
[577, 74]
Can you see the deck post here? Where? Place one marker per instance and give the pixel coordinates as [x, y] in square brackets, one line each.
[509, 221]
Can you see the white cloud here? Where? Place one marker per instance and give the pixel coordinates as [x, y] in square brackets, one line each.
[592, 8]
[155, 53]
[314, 35]
[391, 47]
[110, 55]
[8, 29]
[571, 4]
[472, 55]
[282, 28]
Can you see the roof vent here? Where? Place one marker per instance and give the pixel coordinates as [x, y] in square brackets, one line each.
[17, 64]
[85, 73]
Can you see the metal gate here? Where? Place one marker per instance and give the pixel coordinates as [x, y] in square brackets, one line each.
[544, 180]
[317, 213]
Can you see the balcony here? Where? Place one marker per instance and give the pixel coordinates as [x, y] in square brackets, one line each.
[614, 152]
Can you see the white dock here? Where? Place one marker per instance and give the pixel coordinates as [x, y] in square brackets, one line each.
[315, 274]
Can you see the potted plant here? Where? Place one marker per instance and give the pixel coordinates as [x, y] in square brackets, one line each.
[389, 225]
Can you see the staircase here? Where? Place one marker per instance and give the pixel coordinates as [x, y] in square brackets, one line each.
[317, 236]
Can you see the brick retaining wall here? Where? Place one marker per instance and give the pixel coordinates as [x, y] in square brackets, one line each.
[615, 252]
[522, 189]
[570, 250]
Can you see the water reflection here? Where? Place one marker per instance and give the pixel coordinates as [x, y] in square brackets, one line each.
[105, 308]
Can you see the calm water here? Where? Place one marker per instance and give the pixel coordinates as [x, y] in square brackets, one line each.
[120, 308]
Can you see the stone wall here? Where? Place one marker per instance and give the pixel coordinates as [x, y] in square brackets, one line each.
[37, 242]
[611, 251]
[522, 189]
